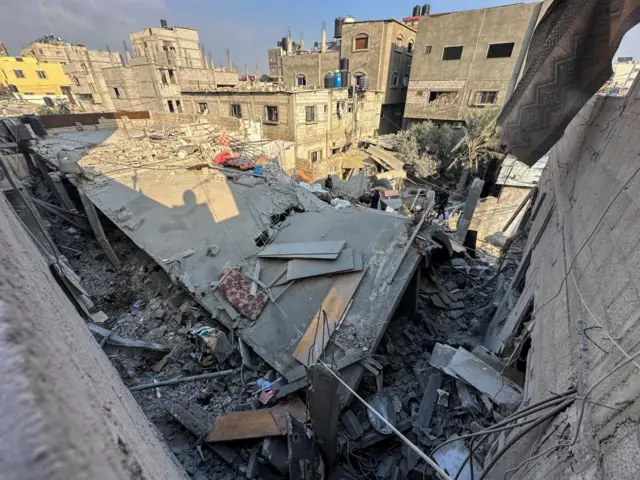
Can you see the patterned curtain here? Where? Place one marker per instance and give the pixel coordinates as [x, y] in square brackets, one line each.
[569, 59]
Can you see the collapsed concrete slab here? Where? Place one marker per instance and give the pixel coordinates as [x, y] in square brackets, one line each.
[181, 205]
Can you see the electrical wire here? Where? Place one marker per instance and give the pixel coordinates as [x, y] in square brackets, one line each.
[580, 417]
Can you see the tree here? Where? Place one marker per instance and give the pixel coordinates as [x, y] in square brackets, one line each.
[59, 108]
[424, 146]
[481, 140]
[264, 78]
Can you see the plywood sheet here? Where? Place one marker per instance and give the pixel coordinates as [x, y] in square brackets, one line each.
[269, 422]
[303, 249]
[318, 333]
[304, 267]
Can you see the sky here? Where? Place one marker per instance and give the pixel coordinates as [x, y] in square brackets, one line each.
[247, 27]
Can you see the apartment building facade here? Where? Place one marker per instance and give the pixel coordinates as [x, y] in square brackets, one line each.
[376, 55]
[468, 60]
[83, 67]
[321, 122]
[166, 61]
[30, 80]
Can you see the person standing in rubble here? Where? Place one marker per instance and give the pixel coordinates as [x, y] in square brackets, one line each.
[375, 198]
[442, 198]
[328, 183]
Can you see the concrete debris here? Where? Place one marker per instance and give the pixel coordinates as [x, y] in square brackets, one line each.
[179, 256]
[443, 398]
[352, 424]
[213, 250]
[452, 456]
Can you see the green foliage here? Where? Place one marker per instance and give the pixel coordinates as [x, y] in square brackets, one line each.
[424, 146]
[59, 108]
[264, 77]
[482, 137]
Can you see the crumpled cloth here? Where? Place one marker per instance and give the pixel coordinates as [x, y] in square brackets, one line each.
[235, 287]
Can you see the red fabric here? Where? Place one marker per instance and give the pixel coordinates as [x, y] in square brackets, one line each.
[223, 157]
[235, 287]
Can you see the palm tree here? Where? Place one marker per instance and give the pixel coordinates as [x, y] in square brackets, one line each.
[481, 140]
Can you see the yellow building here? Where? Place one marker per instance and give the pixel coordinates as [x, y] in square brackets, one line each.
[33, 81]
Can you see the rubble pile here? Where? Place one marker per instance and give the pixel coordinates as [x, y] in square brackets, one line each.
[212, 363]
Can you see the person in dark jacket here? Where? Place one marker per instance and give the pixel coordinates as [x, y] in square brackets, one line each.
[375, 198]
[328, 183]
[442, 198]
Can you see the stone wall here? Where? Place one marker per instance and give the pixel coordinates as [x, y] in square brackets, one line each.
[474, 30]
[581, 273]
[314, 66]
[65, 411]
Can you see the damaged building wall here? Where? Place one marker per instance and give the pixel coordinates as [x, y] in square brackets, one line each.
[65, 411]
[582, 265]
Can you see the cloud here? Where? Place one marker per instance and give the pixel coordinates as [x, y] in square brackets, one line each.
[93, 23]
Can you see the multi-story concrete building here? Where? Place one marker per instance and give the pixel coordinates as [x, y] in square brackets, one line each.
[321, 122]
[33, 81]
[373, 54]
[470, 59]
[3, 50]
[84, 68]
[625, 72]
[166, 60]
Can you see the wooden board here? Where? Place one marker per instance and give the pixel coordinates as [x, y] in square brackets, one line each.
[269, 422]
[303, 249]
[305, 267]
[314, 340]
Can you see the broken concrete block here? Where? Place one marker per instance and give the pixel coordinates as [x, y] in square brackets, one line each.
[455, 314]
[465, 397]
[99, 317]
[456, 305]
[441, 357]
[484, 378]
[213, 250]
[443, 398]
[459, 262]
[132, 225]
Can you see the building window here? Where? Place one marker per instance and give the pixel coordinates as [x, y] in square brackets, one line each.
[410, 47]
[400, 41]
[172, 77]
[301, 80]
[40, 51]
[485, 98]
[18, 73]
[76, 81]
[443, 97]
[500, 50]
[325, 109]
[310, 113]
[271, 114]
[19, 59]
[41, 74]
[115, 90]
[315, 156]
[163, 76]
[170, 105]
[203, 108]
[236, 110]
[92, 87]
[13, 88]
[405, 80]
[361, 42]
[84, 68]
[361, 80]
[394, 80]
[452, 53]
[179, 106]
[427, 49]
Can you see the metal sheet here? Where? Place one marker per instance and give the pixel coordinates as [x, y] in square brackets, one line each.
[303, 248]
[303, 268]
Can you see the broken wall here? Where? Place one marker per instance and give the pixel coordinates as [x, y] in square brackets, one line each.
[65, 411]
[493, 213]
[583, 278]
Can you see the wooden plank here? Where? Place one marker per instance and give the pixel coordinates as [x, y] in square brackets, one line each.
[94, 221]
[304, 267]
[303, 248]
[317, 335]
[269, 422]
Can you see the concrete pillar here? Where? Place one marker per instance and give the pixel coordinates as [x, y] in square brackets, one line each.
[469, 209]
[65, 411]
[94, 221]
[323, 41]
